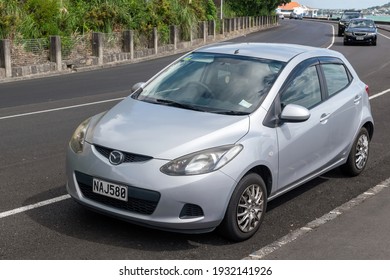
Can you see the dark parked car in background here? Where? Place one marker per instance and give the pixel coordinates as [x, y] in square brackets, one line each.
[295, 16]
[361, 30]
[345, 19]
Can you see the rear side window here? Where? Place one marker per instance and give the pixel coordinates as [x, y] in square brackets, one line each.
[336, 77]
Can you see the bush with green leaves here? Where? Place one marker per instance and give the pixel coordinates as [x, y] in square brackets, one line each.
[41, 18]
[11, 16]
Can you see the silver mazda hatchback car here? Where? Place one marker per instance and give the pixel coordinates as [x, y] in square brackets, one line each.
[215, 135]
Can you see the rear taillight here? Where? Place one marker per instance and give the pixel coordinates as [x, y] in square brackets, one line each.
[367, 90]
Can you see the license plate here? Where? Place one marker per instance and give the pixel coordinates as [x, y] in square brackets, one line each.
[109, 189]
[360, 38]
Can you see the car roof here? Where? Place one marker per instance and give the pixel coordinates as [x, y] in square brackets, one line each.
[272, 51]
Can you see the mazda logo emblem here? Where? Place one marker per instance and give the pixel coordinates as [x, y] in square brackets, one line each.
[116, 157]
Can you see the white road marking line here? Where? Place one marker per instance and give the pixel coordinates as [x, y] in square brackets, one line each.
[379, 94]
[116, 99]
[333, 37]
[60, 108]
[270, 248]
[33, 206]
[384, 35]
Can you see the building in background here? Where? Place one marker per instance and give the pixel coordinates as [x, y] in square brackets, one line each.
[295, 7]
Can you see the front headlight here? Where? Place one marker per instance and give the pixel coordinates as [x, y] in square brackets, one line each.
[78, 138]
[201, 162]
[347, 33]
[371, 34]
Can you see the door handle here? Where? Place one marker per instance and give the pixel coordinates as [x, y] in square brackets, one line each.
[324, 118]
[357, 99]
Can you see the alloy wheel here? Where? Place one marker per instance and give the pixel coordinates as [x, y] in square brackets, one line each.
[361, 151]
[250, 208]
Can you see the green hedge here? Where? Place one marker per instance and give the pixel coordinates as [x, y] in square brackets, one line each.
[31, 19]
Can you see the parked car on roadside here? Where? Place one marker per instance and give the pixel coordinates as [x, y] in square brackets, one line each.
[361, 30]
[296, 16]
[345, 18]
[208, 141]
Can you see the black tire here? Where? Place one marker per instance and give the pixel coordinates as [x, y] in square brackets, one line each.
[374, 43]
[251, 192]
[358, 156]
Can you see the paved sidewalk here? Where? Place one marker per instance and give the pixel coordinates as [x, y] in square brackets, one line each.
[357, 230]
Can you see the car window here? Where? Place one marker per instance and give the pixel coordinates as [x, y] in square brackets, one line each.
[304, 90]
[214, 83]
[336, 77]
[361, 23]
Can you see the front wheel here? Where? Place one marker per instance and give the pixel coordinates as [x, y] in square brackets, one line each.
[246, 209]
[358, 156]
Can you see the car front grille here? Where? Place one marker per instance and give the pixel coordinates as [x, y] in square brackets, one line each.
[360, 34]
[129, 157]
[139, 200]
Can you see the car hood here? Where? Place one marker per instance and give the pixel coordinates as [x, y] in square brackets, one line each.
[163, 132]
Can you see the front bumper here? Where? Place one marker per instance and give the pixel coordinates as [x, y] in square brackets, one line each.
[192, 204]
[360, 39]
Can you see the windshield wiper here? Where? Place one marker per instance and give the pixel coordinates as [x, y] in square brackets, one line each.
[232, 113]
[178, 105]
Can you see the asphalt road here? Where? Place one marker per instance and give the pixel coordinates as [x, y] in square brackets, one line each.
[32, 163]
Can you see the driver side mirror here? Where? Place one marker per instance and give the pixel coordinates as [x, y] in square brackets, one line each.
[295, 113]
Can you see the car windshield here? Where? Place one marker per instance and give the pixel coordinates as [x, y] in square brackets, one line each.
[350, 16]
[361, 23]
[216, 83]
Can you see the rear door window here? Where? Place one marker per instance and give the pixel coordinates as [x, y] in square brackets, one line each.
[336, 77]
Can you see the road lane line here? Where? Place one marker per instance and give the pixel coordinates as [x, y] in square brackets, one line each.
[384, 35]
[33, 206]
[333, 37]
[61, 108]
[379, 94]
[107, 101]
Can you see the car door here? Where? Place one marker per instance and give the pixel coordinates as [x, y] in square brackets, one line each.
[303, 145]
[344, 105]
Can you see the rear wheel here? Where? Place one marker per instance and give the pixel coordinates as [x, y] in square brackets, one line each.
[246, 209]
[358, 156]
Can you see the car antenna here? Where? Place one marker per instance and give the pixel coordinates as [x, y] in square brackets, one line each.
[237, 51]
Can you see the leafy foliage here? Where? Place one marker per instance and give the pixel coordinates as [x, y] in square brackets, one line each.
[41, 18]
[10, 18]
